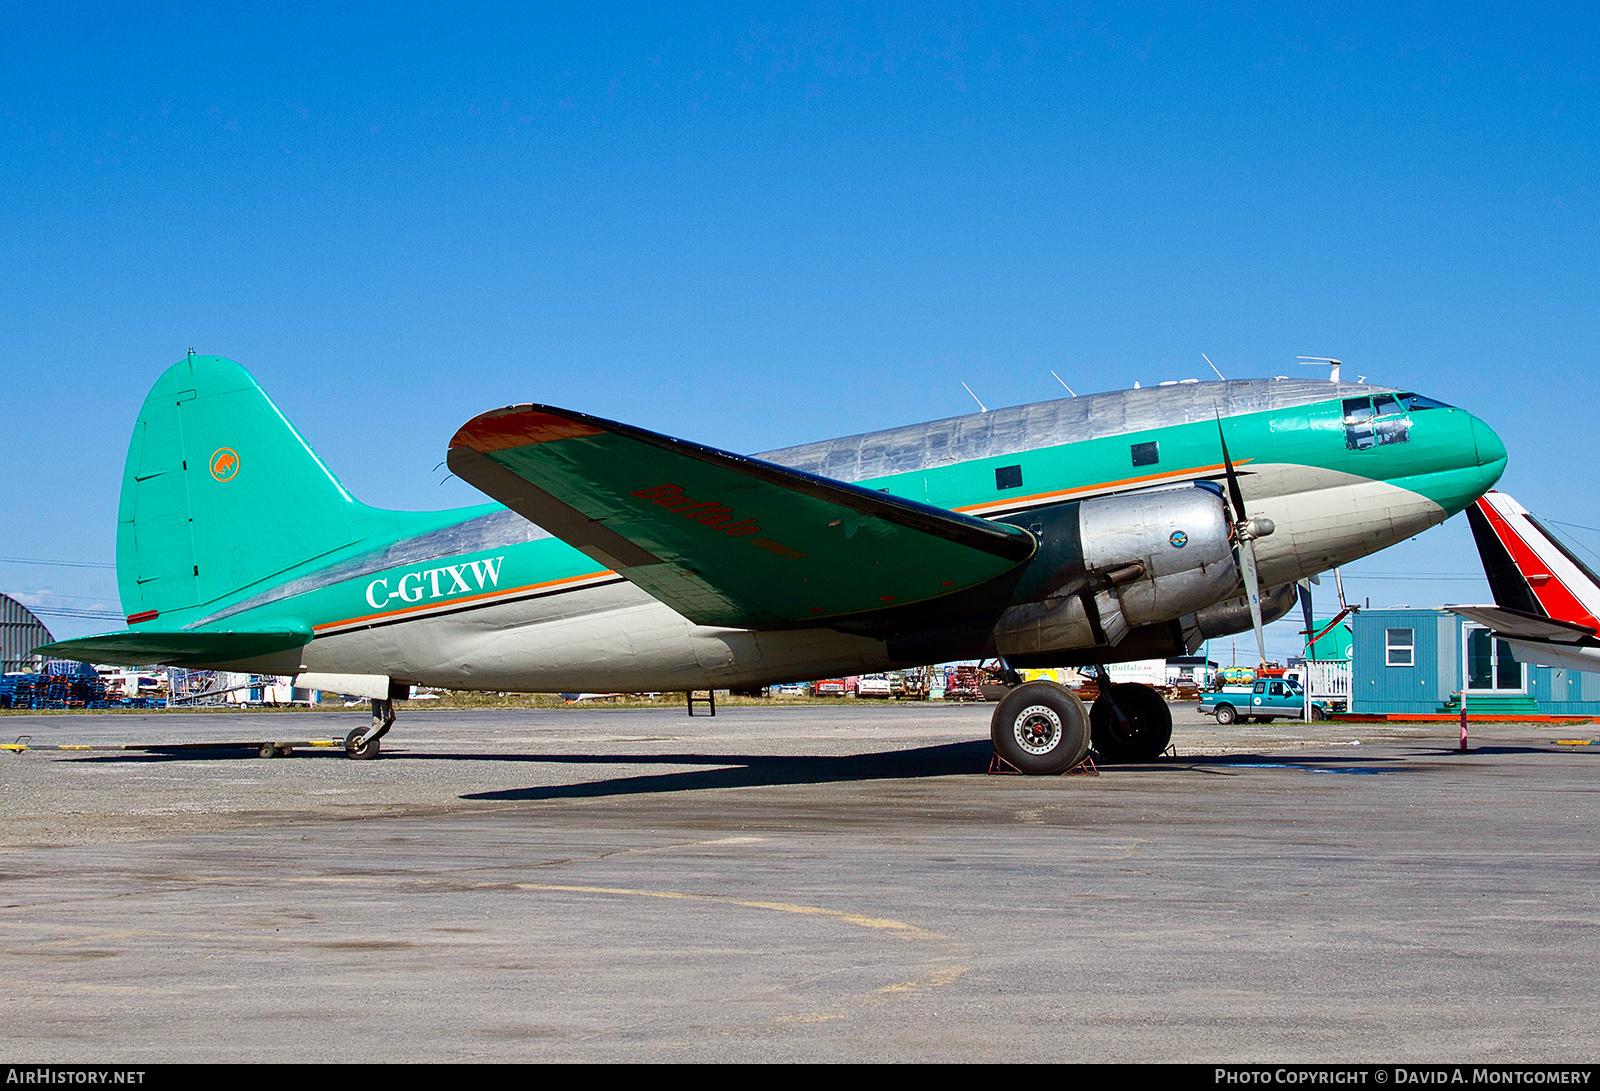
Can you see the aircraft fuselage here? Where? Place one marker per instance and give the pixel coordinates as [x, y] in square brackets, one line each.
[479, 598]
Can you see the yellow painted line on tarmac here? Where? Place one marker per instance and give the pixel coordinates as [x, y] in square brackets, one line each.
[899, 928]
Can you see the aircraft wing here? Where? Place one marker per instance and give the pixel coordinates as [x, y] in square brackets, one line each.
[134, 648]
[1518, 625]
[722, 538]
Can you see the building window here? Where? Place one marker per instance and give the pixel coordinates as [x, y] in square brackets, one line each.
[1399, 647]
[1146, 454]
[1008, 477]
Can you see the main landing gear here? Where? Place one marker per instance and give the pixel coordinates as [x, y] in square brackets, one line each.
[1043, 728]
[1130, 722]
[1040, 728]
[362, 743]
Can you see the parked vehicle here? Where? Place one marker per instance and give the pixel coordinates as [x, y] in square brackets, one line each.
[873, 685]
[828, 687]
[1268, 699]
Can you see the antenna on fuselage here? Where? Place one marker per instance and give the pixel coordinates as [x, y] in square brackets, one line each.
[1207, 359]
[975, 398]
[1063, 382]
[1313, 361]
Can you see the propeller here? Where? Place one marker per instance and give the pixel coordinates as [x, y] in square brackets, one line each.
[1245, 532]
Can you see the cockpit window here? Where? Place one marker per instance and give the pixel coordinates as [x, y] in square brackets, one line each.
[1414, 402]
[1374, 422]
[1357, 410]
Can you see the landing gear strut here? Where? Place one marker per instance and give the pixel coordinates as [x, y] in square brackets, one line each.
[362, 743]
[1130, 722]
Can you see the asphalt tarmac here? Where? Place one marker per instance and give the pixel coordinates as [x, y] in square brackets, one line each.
[794, 884]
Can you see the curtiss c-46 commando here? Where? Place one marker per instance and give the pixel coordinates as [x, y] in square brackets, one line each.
[1089, 530]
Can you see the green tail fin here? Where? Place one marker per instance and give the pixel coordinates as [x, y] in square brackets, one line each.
[219, 492]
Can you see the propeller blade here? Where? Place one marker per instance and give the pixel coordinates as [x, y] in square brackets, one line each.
[1252, 592]
[1234, 492]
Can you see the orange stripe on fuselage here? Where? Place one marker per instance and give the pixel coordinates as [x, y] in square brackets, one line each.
[457, 602]
[1173, 475]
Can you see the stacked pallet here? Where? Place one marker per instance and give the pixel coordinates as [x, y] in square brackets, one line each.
[54, 691]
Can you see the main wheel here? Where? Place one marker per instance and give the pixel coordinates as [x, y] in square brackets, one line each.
[1143, 730]
[1040, 728]
[354, 749]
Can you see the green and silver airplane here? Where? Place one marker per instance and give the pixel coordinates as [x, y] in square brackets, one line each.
[1083, 531]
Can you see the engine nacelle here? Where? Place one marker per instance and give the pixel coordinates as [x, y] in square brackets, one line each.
[1109, 565]
[1233, 616]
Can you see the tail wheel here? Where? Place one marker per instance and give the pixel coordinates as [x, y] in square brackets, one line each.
[1040, 728]
[1131, 723]
[355, 748]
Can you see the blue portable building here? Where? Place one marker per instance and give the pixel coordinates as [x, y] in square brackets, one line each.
[1410, 660]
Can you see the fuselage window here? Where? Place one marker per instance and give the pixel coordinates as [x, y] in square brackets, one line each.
[1008, 477]
[1146, 454]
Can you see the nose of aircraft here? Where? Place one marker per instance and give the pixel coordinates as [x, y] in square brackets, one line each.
[1490, 447]
[1491, 450]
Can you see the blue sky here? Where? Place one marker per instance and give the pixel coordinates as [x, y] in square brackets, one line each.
[755, 226]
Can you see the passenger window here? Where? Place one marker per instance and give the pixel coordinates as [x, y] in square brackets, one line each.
[1008, 477]
[1146, 454]
[1277, 689]
[1261, 687]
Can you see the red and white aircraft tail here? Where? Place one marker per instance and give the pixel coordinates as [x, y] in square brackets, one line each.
[1547, 602]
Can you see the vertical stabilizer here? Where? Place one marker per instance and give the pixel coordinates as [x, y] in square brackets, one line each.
[219, 492]
[1529, 569]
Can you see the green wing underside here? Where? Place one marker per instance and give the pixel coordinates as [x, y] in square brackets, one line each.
[183, 649]
[721, 538]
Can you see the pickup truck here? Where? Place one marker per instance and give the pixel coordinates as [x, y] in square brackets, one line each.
[1268, 699]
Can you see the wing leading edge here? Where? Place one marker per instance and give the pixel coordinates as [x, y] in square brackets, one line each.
[725, 539]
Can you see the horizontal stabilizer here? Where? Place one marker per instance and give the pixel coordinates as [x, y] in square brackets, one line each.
[722, 538]
[178, 649]
[1517, 625]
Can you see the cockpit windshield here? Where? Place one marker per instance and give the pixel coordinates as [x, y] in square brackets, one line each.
[1414, 402]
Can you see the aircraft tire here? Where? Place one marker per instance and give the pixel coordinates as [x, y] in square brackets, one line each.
[360, 752]
[1040, 728]
[1145, 730]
